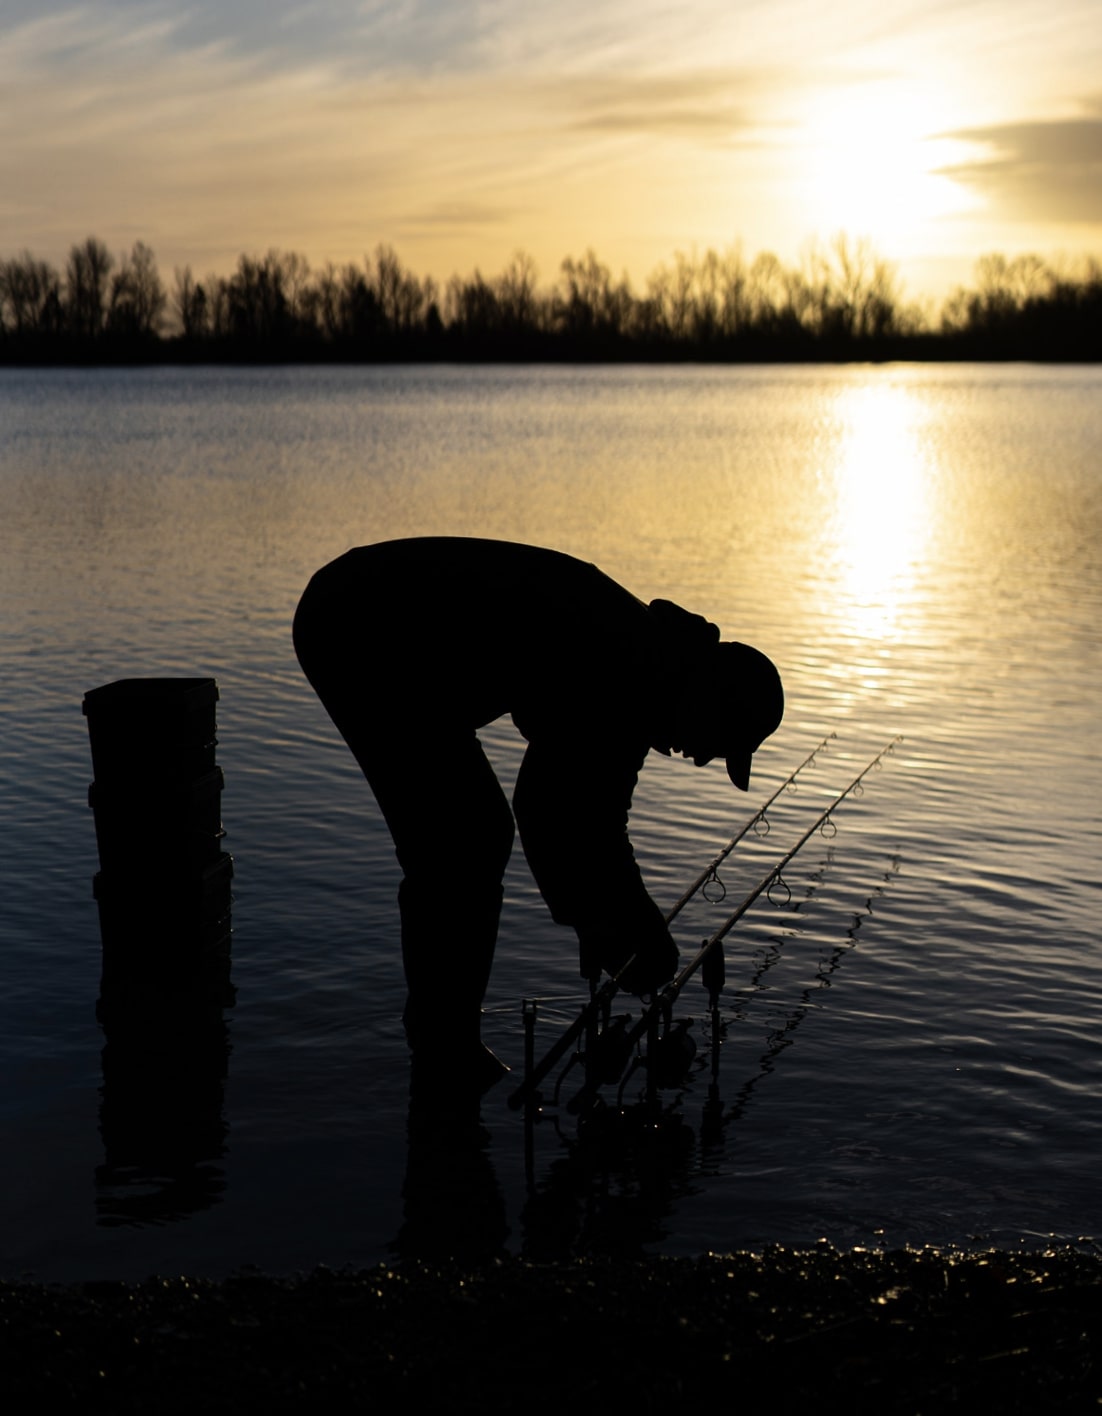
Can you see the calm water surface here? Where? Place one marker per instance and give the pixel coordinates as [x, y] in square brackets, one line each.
[910, 1044]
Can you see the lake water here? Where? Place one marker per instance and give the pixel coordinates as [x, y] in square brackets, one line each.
[910, 1044]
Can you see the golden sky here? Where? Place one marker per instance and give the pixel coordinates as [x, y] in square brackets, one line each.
[460, 132]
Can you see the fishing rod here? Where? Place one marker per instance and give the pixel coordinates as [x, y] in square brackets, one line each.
[534, 1075]
[665, 999]
[709, 871]
[673, 988]
[603, 996]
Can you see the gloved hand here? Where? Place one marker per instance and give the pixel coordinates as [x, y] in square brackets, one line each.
[654, 963]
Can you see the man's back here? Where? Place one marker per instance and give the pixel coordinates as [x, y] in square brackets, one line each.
[477, 628]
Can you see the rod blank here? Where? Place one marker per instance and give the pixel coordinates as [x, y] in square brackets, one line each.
[672, 989]
[709, 870]
[666, 997]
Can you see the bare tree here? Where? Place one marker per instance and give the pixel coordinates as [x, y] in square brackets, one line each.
[86, 274]
[1003, 289]
[402, 299]
[189, 303]
[137, 301]
[516, 293]
[473, 306]
[360, 315]
[860, 294]
[735, 308]
[587, 302]
[708, 300]
[30, 295]
[327, 302]
[295, 277]
[217, 306]
[258, 309]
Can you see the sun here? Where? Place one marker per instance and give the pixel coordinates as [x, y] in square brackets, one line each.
[873, 159]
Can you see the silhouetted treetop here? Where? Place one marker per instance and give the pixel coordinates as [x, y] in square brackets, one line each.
[842, 300]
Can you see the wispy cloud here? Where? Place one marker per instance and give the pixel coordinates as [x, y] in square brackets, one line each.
[1039, 171]
[450, 216]
[632, 125]
[128, 129]
[699, 105]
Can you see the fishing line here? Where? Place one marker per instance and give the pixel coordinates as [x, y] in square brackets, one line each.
[670, 992]
[709, 875]
[781, 1037]
[662, 1004]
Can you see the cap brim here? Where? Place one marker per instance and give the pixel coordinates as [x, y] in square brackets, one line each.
[738, 769]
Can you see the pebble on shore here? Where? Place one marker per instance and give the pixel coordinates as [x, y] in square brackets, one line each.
[887, 1331]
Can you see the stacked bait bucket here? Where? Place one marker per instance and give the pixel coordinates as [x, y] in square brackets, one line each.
[164, 885]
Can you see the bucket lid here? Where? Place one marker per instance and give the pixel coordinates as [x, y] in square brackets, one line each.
[144, 696]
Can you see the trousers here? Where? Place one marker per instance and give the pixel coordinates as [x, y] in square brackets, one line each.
[450, 821]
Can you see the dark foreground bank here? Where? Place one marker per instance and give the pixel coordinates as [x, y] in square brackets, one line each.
[905, 1331]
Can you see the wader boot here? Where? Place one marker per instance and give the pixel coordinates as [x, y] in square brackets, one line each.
[448, 940]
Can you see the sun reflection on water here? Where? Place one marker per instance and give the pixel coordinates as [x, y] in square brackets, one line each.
[880, 522]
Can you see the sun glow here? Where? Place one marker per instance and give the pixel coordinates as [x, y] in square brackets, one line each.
[882, 513]
[875, 157]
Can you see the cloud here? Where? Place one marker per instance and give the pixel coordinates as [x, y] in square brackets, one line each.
[458, 215]
[126, 132]
[203, 148]
[465, 128]
[1049, 171]
[688, 105]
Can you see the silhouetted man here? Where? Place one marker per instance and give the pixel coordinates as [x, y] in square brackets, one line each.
[414, 645]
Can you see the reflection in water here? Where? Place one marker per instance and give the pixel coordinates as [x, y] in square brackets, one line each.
[882, 503]
[626, 1166]
[782, 1036]
[166, 520]
[161, 1117]
[453, 1205]
[614, 1189]
[164, 1073]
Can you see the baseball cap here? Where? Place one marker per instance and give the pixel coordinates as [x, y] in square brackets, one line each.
[753, 705]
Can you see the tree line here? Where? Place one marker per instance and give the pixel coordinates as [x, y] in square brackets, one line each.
[842, 300]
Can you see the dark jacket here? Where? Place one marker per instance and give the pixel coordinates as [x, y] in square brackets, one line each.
[452, 633]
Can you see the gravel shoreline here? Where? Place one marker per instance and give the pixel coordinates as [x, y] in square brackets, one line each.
[911, 1330]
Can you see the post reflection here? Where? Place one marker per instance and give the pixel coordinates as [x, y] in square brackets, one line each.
[164, 899]
[162, 1119]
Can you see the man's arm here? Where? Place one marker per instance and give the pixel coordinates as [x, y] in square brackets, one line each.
[572, 812]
